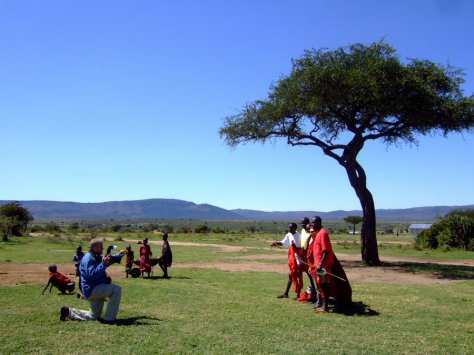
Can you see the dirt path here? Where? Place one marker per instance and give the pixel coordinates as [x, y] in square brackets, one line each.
[390, 272]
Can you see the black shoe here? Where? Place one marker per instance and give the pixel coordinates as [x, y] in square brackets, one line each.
[64, 313]
[283, 295]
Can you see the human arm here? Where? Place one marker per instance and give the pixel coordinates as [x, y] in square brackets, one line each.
[321, 262]
[49, 283]
[93, 268]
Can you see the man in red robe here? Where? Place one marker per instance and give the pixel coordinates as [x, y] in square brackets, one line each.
[295, 276]
[323, 257]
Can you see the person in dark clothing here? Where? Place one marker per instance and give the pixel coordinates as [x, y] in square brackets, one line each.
[166, 258]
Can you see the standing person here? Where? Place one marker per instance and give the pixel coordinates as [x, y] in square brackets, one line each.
[96, 286]
[145, 254]
[166, 258]
[130, 256]
[77, 260]
[293, 243]
[323, 259]
[306, 245]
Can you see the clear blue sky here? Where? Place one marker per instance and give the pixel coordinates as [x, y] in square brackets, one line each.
[106, 100]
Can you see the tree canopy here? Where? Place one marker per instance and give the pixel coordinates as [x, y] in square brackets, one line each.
[339, 99]
[353, 220]
[14, 219]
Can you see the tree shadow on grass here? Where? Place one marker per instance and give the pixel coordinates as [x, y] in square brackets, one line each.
[440, 271]
[136, 321]
[357, 309]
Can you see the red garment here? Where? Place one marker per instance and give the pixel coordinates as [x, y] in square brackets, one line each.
[322, 244]
[57, 277]
[295, 269]
[145, 253]
[61, 281]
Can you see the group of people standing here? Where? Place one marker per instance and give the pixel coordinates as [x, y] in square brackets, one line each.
[146, 262]
[96, 285]
[310, 252]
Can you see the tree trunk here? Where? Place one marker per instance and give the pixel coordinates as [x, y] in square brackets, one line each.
[368, 235]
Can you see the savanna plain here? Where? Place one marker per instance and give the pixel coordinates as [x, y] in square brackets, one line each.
[221, 298]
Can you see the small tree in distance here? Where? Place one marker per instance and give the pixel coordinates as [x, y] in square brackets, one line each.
[353, 220]
[337, 100]
[14, 219]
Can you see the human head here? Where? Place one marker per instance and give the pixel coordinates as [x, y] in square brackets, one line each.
[79, 248]
[129, 247]
[96, 246]
[305, 222]
[292, 227]
[53, 268]
[316, 222]
[164, 236]
[145, 241]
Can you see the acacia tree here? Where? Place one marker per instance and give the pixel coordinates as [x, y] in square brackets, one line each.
[353, 220]
[14, 219]
[337, 100]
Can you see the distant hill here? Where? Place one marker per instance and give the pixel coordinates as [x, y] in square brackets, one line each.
[152, 208]
[174, 209]
[406, 214]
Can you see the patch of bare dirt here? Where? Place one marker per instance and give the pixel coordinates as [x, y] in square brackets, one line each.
[16, 274]
[391, 271]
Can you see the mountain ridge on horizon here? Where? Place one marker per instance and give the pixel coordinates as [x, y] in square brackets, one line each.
[175, 209]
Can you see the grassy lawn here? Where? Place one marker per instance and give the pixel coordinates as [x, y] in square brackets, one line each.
[210, 311]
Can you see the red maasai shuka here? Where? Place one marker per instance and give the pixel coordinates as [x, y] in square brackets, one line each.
[295, 268]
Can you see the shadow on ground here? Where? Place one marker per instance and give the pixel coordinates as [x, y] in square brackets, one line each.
[142, 320]
[440, 271]
[167, 278]
[357, 309]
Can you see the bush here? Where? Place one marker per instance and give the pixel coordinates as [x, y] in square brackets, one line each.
[218, 230]
[52, 228]
[202, 228]
[427, 239]
[184, 229]
[452, 231]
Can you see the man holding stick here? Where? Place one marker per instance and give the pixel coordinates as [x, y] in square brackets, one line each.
[293, 243]
[323, 259]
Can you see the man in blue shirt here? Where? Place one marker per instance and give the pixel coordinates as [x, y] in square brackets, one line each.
[96, 286]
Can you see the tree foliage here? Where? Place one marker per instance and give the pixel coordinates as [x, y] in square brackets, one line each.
[354, 220]
[452, 231]
[337, 100]
[14, 219]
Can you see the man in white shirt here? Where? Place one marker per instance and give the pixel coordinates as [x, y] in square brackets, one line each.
[305, 244]
[292, 241]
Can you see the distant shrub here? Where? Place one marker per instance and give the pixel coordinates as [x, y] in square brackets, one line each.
[465, 213]
[201, 228]
[218, 230]
[35, 229]
[116, 228]
[52, 228]
[167, 228]
[184, 229]
[452, 231]
[427, 239]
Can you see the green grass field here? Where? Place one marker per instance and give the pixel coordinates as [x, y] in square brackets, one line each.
[210, 311]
